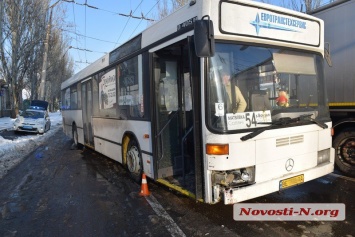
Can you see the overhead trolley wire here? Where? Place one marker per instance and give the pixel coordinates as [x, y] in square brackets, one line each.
[77, 34]
[142, 19]
[127, 22]
[130, 15]
[85, 30]
[76, 39]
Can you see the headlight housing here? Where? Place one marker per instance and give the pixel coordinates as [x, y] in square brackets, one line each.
[234, 178]
[323, 156]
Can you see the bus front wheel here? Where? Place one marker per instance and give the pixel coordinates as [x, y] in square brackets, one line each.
[134, 161]
[344, 145]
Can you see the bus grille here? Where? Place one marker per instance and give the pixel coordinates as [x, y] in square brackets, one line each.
[289, 140]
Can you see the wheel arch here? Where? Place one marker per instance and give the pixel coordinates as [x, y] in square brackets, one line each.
[344, 125]
[126, 138]
[132, 158]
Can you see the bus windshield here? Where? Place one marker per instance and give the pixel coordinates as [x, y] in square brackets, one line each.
[251, 87]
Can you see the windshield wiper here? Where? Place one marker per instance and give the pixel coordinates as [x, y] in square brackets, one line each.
[316, 121]
[303, 117]
[282, 122]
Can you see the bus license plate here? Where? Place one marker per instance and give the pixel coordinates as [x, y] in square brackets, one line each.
[286, 183]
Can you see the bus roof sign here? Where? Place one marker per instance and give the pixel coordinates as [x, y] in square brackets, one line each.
[263, 23]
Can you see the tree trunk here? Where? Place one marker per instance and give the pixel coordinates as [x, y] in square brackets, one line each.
[14, 102]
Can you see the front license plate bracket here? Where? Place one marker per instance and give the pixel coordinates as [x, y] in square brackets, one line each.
[290, 182]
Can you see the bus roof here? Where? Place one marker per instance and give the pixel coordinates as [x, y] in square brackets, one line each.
[89, 70]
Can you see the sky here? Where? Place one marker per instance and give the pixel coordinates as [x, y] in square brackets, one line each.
[13, 151]
[97, 27]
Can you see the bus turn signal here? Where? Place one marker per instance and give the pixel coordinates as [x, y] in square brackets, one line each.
[217, 149]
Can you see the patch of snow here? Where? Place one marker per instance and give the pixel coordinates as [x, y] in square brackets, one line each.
[13, 152]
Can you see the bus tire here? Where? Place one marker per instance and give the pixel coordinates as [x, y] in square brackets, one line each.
[75, 136]
[134, 162]
[344, 145]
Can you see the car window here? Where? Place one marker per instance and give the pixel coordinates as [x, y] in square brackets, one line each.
[33, 114]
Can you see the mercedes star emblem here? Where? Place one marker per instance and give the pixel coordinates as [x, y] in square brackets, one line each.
[289, 164]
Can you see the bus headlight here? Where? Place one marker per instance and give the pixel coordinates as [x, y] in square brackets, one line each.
[323, 156]
[234, 178]
[245, 176]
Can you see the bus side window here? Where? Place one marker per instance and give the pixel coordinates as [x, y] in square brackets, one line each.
[187, 92]
[170, 88]
[106, 93]
[130, 92]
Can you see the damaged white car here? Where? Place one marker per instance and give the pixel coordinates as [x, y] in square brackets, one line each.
[35, 119]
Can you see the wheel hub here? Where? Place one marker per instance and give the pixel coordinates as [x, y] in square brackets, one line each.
[133, 160]
[347, 151]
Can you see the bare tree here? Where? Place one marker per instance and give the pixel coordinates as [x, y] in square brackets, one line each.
[178, 3]
[23, 27]
[19, 24]
[166, 7]
[60, 67]
[302, 5]
[32, 79]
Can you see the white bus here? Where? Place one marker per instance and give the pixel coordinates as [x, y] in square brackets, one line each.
[160, 103]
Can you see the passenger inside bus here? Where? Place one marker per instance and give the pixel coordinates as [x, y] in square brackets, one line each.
[240, 103]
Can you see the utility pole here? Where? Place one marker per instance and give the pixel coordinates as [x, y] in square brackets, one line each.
[45, 54]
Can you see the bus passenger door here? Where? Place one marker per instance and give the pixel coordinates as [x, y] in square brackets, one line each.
[86, 98]
[173, 116]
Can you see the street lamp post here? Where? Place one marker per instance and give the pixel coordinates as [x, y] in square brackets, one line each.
[45, 54]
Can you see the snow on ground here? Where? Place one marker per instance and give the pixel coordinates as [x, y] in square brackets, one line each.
[12, 152]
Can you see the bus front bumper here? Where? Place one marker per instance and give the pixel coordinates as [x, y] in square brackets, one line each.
[235, 195]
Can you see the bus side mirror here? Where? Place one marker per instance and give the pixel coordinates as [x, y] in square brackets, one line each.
[204, 37]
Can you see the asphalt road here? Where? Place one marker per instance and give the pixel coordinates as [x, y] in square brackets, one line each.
[57, 191]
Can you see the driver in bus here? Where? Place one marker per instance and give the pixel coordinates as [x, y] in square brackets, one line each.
[240, 103]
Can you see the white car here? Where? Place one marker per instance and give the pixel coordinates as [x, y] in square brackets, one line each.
[35, 119]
